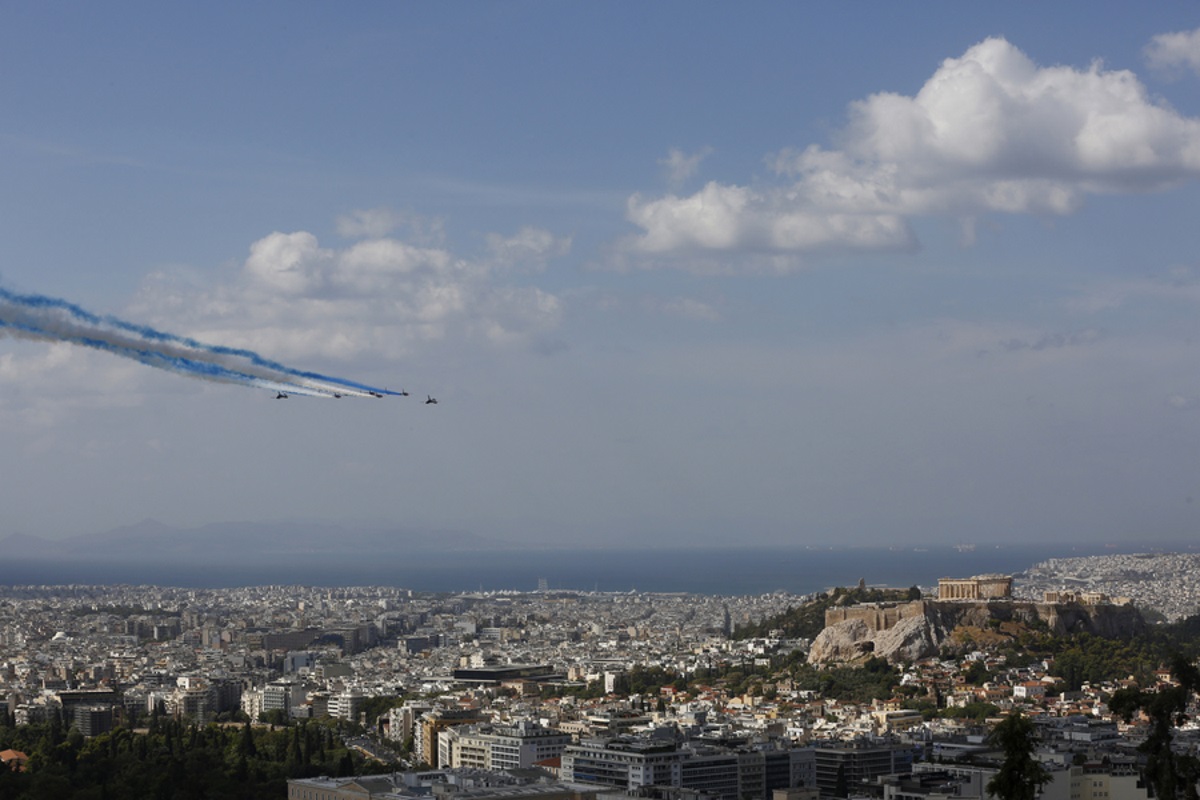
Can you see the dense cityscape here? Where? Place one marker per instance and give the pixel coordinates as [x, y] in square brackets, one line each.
[575, 693]
[599, 401]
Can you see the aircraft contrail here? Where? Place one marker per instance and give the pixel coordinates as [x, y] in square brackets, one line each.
[43, 318]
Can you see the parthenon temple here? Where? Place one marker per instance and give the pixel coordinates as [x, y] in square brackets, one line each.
[980, 587]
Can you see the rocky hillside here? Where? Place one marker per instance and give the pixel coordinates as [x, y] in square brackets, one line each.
[962, 626]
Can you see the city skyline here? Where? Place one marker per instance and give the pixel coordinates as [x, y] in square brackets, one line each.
[772, 275]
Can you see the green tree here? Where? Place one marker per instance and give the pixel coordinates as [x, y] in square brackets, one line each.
[977, 674]
[246, 747]
[1172, 775]
[1021, 776]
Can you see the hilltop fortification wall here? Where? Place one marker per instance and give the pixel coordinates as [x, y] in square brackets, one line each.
[908, 631]
[876, 617]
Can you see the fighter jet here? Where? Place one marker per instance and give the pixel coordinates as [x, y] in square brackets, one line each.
[281, 396]
[430, 400]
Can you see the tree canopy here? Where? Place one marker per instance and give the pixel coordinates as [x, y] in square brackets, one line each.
[1021, 775]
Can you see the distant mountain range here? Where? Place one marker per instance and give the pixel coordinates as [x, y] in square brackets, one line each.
[150, 541]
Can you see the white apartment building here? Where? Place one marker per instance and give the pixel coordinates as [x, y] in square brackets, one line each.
[347, 704]
[515, 746]
[282, 695]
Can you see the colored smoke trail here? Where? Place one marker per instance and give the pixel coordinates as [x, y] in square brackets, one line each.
[41, 318]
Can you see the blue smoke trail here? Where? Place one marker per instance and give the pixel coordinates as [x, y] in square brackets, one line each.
[52, 319]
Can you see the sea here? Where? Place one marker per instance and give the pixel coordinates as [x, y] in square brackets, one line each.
[709, 571]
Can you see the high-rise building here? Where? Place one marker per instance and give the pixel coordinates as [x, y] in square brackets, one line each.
[840, 768]
[282, 695]
[93, 720]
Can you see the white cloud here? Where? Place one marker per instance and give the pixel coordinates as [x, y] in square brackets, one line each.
[990, 131]
[994, 129]
[372, 222]
[35, 375]
[530, 248]
[680, 166]
[512, 315]
[380, 264]
[290, 263]
[375, 223]
[1173, 51]
[717, 217]
[728, 218]
[381, 297]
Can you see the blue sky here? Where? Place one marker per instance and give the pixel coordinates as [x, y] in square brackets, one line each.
[776, 273]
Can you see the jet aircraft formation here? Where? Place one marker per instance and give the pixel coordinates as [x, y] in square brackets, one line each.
[429, 399]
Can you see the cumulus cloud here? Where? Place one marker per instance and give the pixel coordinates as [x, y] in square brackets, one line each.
[996, 130]
[720, 217]
[990, 131]
[379, 297]
[1175, 51]
[289, 263]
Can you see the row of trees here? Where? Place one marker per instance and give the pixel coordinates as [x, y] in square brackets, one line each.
[172, 760]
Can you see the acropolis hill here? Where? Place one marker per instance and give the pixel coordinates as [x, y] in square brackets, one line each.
[966, 611]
